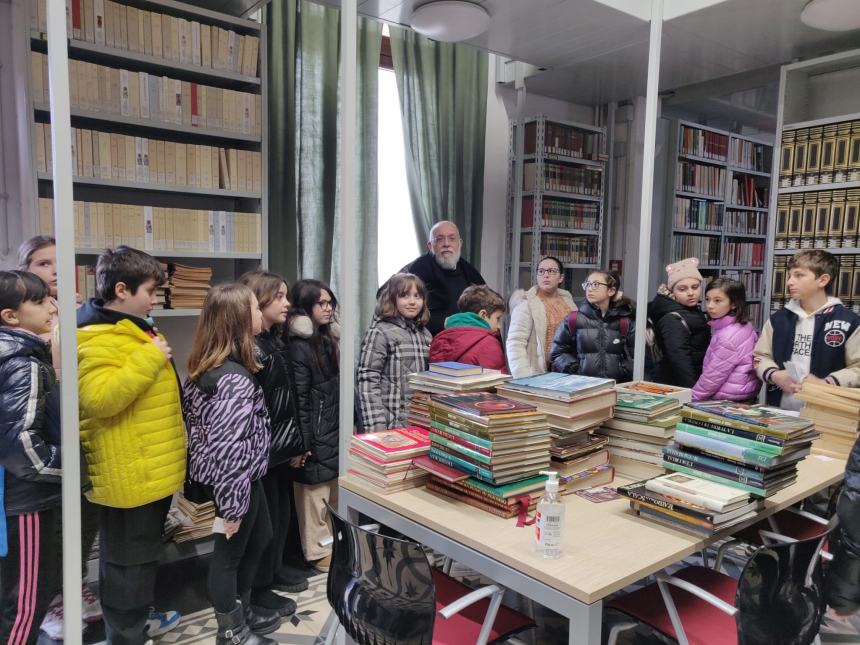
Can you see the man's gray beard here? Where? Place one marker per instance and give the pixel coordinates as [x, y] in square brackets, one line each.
[445, 263]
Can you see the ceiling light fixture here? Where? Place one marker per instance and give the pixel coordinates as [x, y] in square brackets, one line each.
[831, 15]
[450, 21]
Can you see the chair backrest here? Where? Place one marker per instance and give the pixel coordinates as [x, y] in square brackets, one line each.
[381, 588]
[779, 594]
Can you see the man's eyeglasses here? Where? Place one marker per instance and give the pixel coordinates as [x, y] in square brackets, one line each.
[451, 239]
[593, 285]
[547, 271]
[324, 304]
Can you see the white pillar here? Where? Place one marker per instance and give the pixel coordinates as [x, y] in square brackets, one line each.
[647, 185]
[64, 231]
[347, 279]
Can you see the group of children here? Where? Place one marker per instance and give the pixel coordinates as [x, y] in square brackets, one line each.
[257, 415]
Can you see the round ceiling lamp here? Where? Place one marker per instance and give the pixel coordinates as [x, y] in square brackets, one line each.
[832, 15]
[450, 21]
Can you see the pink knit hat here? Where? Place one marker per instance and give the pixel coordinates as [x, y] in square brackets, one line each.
[686, 268]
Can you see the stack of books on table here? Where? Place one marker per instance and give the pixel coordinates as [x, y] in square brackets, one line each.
[683, 394]
[690, 504]
[385, 459]
[643, 425]
[836, 413]
[195, 519]
[574, 406]
[747, 447]
[187, 286]
[447, 378]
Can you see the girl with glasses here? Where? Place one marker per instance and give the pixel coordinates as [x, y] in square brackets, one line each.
[597, 339]
[535, 315]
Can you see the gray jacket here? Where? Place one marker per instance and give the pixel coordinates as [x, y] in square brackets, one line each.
[391, 350]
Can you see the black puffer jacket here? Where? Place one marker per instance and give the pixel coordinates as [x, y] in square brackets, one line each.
[317, 385]
[29, 423]
[599, 348]
[276, 379]
[842, 582]
[683, 335]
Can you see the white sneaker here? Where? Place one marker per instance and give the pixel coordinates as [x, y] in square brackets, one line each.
[161, 622]
[52, 624]
[91, 608]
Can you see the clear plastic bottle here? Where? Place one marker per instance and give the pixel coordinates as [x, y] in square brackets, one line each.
[549, 521]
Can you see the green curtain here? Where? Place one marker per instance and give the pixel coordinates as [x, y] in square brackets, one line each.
[303, 148]
[443, 103]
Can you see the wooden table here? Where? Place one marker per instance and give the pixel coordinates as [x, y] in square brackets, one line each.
[605, 546]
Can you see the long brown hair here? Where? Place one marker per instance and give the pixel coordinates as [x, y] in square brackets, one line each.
[224, 331]
[400, 284]
[265, 285]
[29, 247]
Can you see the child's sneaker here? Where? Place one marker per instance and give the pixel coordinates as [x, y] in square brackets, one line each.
[91, 608]
[161, 622]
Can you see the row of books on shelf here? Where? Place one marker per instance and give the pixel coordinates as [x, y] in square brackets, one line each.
[567, 248]
[699, 178]
[820, 155]
[152, 228]
[743, 254]
[564, 179]
[821, 219]
[698, 214]
[565, 140]
[846, 283]
[121, 157]
[726, 459]
[749, 190]
[127, 28]
[703, 143]
[707, 249]
[749, 155]
[561, 214]
[753, 281]
[120, 92]
[745, 222]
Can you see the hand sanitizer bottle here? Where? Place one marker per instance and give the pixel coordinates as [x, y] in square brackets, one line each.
[549, 520]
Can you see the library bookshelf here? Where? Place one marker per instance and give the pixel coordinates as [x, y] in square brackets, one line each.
[168, 148]
[719, 183]
[558, 207]
[816, 184]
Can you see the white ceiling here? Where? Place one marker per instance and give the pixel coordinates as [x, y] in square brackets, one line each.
[594, 53]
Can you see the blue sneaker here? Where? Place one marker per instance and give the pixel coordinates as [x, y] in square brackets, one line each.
[161, 622]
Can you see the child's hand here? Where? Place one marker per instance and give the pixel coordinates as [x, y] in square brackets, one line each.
[784, 382]
[299, 460]
[231, 527]
[161, 344]
[814, 379]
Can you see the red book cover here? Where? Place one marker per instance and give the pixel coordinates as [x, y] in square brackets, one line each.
[398, 442]
[484, 404]
[195, 105]
[439, 469]
[76, 19]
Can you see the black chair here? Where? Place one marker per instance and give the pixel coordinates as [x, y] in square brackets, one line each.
[384, 591]
[777, 600]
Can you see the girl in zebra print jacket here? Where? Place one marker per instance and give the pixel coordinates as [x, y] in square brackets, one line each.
[228, 449]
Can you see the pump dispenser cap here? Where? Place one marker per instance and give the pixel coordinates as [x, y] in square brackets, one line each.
[552, 481]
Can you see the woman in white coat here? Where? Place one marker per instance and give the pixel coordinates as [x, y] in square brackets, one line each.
[535, 316]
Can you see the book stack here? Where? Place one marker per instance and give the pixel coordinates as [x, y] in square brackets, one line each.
[643, 425]
[486, 436]
[574, 406]
[447, 378]
[748, 447]
[836, 413]
[384, 459]
[683, 394]
[690, 504]
[187, 286]
[196, 519]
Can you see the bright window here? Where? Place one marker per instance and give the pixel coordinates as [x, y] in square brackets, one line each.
[396, 236]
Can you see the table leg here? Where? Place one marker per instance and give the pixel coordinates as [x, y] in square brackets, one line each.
[584, 627]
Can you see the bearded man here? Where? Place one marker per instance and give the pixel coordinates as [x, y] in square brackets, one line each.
[444, 272]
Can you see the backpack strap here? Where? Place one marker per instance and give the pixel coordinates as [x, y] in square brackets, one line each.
[681, 318]
[571, 322]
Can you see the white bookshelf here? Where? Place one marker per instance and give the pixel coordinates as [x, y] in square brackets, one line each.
[715, 232]
[226, 265]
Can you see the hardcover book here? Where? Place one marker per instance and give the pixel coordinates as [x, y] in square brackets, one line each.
[748, 417]
[484, 405]
[398, 442]
[562, 386]
[453, 368]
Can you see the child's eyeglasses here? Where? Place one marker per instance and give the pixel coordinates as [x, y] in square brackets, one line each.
[324, 304]
[547, 271]
[593, 285]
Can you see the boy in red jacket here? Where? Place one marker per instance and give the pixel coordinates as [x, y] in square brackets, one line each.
[472, 336]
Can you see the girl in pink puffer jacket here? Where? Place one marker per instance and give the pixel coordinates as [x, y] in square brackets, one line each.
[728, 372]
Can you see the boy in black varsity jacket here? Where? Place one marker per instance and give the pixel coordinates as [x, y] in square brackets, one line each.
[814, 330]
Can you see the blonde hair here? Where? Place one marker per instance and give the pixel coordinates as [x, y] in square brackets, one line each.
[224, 331]
[399, 285]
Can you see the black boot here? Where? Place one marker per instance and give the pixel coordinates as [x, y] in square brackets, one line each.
[260, 620]
[268, 599]
[232, 630]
